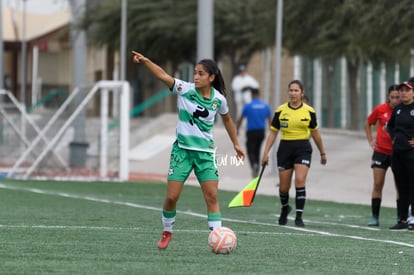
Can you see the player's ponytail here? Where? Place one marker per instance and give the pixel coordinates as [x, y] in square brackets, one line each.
[212, 69]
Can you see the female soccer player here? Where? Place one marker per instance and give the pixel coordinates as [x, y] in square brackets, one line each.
[198, 104]
[297, 122]
[382, 146]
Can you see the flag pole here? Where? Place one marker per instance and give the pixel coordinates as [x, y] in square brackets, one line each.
[258, 181]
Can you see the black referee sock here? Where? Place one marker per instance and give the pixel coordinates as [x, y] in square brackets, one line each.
[300, 201]
[284, 198]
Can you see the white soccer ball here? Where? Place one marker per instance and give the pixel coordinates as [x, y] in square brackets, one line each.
[222, 240]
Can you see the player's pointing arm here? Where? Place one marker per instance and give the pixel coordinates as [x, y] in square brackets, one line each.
[156, 70]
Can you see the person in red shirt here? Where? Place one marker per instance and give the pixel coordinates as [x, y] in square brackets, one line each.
[382, 146]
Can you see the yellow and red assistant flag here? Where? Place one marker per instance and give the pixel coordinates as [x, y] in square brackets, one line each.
[246, 196]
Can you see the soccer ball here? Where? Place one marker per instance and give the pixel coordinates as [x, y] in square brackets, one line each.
[222, 240]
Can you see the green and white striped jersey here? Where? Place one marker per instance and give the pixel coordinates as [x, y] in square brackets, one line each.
[196, 116]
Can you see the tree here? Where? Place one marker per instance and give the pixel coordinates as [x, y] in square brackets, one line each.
[243, 28]
[166, 29]
[360, 31]
[159, 28]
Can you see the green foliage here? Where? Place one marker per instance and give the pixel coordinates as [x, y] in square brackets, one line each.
[244, 27]
[391, 30]
[112, 228]
[376, 31]
[166, 29]
[368, 31]
[303, 23]
[363, 32]
[158, 28]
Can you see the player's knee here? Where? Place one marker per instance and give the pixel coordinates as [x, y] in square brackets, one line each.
[211, 198]
[171, 200]
[300, 180]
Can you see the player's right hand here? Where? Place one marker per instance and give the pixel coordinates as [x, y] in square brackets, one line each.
[138, 57]
[265, 160]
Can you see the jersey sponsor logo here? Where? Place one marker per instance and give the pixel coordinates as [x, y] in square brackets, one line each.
[200, 112]
[284, 125]
[412, 113]
[398, 111]
[305, 119]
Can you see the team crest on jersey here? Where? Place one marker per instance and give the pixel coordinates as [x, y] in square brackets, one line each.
[180, 87]
[214, 106]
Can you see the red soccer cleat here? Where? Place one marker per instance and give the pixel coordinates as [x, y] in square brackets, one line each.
[165, 240]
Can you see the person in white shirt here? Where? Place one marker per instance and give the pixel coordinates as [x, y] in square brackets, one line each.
[242, 84]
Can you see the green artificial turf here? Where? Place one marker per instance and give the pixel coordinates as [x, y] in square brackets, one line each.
[56, 227]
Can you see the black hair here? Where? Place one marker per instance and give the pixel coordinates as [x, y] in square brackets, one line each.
[212, 68]
[255, 91]
[393, 87]
[296, 82]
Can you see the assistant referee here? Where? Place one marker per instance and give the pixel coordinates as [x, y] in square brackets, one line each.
[297, 123]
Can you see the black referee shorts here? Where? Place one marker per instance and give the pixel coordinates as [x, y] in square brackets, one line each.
[292, 152]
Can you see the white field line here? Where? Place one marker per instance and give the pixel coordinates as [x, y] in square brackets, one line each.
[190, 213]
[69, 227]
[117, 228]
